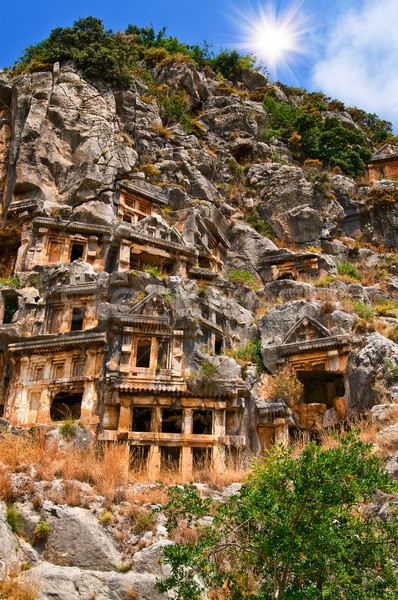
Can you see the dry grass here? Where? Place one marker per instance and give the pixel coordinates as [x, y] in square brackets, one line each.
[13, 587]
[105, 468]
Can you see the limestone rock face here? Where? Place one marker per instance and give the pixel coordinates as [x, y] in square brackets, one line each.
[292, 205]
[76, 538]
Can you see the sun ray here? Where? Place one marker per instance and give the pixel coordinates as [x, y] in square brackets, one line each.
[277, 37]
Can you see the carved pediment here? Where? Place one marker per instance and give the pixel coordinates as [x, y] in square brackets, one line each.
[157, 227]
[154, 305]
[306, 329]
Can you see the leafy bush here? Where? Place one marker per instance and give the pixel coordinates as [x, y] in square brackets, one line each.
[243, 277]
[106, 518]
[286, 386]
[363, 311]
[13, 517]
[345, 268]
[42, 530]
[382, 199]
[68, 428]
[298, 529]
[251, 353]
[323, 140]
[99, 53]
[260, 225]
[207, 370]
[393, 368]
[13, 281]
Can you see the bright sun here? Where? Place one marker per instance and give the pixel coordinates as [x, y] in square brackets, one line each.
[273, 36]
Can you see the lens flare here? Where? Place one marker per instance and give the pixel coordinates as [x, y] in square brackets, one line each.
[277, 37]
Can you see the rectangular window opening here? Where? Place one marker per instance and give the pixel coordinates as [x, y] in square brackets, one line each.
[78, 315]
[143, 353]
[202, 422]
[77, 251]
[142, 419]
[171, 421]
[170, 458]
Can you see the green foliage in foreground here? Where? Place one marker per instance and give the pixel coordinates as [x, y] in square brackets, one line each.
[298, 529]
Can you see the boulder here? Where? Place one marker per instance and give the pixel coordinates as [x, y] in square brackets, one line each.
[76, 537]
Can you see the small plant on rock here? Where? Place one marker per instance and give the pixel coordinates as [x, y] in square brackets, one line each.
[207, 370]
[42, 530]
[13, 517]
[344, 268]
[106, 518]
[243, 277]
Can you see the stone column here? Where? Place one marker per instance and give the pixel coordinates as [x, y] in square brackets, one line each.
[281, 431]
[124, 255]
[219, 446]
[124, 418]
[153, 465]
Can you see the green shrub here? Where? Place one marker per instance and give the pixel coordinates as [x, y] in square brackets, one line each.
[207, 370]
[42, 530]
[99, 53]
[382, 199]
[363, 311]
[153, 270]
[13, 517]
[384, 306]
[106, 518]
[251, 353]
[298, 529]
[68, 428]
[259, 225]
[13, 281]
[243, 277]
[345, 268]
[392, 368]
[124, 568]
[324, 281]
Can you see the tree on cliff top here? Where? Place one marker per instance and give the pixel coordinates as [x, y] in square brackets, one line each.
[299, 528]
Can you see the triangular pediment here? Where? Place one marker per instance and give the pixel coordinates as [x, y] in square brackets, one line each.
[156, 226]
[154, 305]
[386, 151]
[306, 329]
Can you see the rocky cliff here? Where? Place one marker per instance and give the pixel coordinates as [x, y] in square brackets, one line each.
[193, 295]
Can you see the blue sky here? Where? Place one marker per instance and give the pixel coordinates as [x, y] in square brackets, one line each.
[350, 45]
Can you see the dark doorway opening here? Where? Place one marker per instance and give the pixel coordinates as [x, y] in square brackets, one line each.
[78, 314]
[143, 353]
[201, 458]
[76, 252]
[139, 457]
[142, 419]
[202, 422]
[111, 261]
[170, 457]
[218, 346]
[171, 421]
[66, 406]
[321, 387]
[10, 308]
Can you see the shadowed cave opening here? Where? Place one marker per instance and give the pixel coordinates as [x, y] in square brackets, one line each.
[202, 422]
[142, 419]
[321, 386]
[66, 406]
[171, 421]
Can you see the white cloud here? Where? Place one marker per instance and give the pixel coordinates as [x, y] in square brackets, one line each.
[359, 62]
